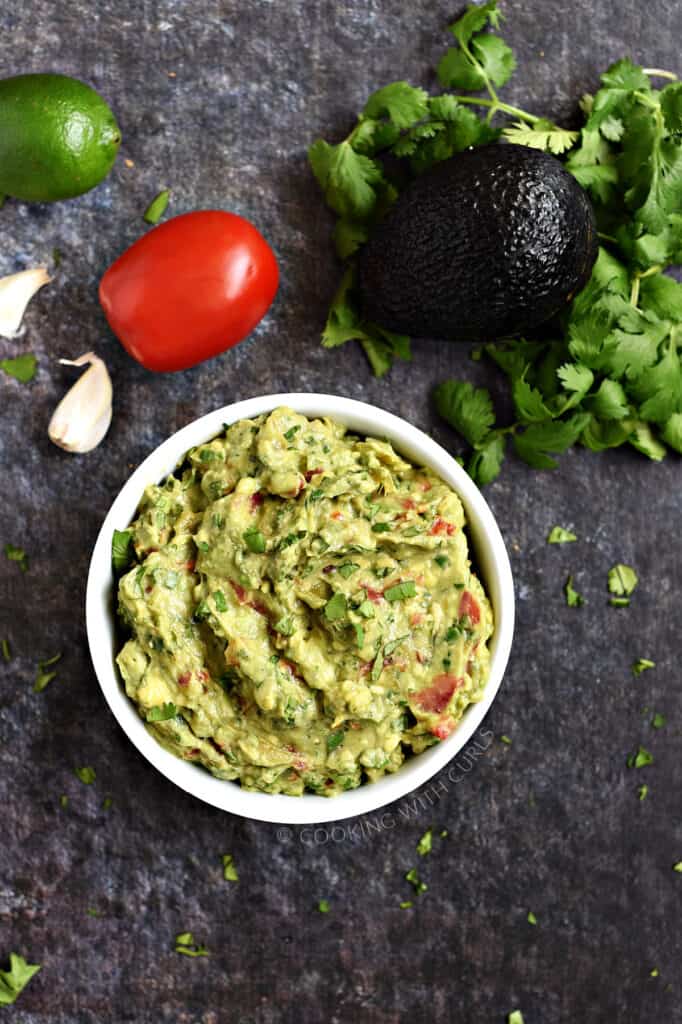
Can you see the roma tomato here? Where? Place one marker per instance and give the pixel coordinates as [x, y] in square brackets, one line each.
[189, 289]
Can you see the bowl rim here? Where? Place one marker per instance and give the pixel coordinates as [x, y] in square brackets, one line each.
[483, 535]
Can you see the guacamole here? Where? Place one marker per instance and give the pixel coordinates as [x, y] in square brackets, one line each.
[301, 613]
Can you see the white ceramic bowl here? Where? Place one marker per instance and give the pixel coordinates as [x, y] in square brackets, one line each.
[492, 562]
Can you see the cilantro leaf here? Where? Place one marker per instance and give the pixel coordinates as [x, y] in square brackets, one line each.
[400, 102]
[157, 207]
[413, 878]
[495, 57]
[348, 236]
[87, 775]
[573, 598]
[475, 18]
[641, 665]
[486, 460]
[323, 906]
[230, 873]
[425, 844]
[672, 432]
[15, 554]
[15, 980]
[671, 105]
[642, 438]
[469, 410]
[557, 535]
[515, 1017]
[185, 944]
[576, 379]
[528, 401]
[545, 136]
[347, 178]
[335, 739]
[640, 759]
[539, 439]
[401, 591]
[622, 580]
[336, 607]
[122, 551]
[22, 368]
[609, 402]
[162, 712]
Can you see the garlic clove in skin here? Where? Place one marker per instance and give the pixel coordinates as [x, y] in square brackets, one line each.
[82, 418]
[16, 291]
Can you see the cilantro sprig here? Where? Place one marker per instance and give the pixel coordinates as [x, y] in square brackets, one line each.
[15, 980]
[610, 372]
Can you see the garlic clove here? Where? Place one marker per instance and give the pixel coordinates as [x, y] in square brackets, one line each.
[16, 291]
[82, 418]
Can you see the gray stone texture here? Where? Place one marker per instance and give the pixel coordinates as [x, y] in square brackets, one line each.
[550, 823]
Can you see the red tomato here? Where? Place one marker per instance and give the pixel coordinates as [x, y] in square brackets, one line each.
[190, 288]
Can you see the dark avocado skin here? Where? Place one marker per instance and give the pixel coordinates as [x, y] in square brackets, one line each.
[485, 245]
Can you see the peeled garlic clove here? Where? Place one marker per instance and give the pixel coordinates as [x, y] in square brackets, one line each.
[16, 291]
[82, 418]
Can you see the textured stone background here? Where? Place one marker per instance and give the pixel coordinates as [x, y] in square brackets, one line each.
[551, 823]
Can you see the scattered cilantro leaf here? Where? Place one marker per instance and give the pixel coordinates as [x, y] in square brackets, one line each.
[15, 554]
[640, 759]
[220, 602]
[531, 918]
[515, 1017]
[185, 944]
[658, 721]
[505, 739]
[15, 980]
[86, 774]
[641, 665]
[573, 598]
[678, 867]
[622, 580]
[157, 207]
[642, 792]
[413, 878]
[558, 535]
[6, 652]
[229, 868]
[323, 906]
[425, 844]
[405, 904]
[22, 368]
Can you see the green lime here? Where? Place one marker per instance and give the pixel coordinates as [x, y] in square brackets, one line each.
[58, 138]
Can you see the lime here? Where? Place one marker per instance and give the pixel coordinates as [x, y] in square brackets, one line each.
[58, 138]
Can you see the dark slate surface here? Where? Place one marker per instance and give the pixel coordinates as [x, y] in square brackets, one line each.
[550, 823]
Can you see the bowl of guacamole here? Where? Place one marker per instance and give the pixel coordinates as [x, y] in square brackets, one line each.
[309, 610]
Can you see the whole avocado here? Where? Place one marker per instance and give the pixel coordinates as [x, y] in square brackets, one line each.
[487, 244]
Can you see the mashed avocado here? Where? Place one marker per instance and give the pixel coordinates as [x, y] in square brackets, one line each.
[302, 613]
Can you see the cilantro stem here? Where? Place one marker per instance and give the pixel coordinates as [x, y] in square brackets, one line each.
[607, 238]
[658, 73]
[496, 105]
[639, 276]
